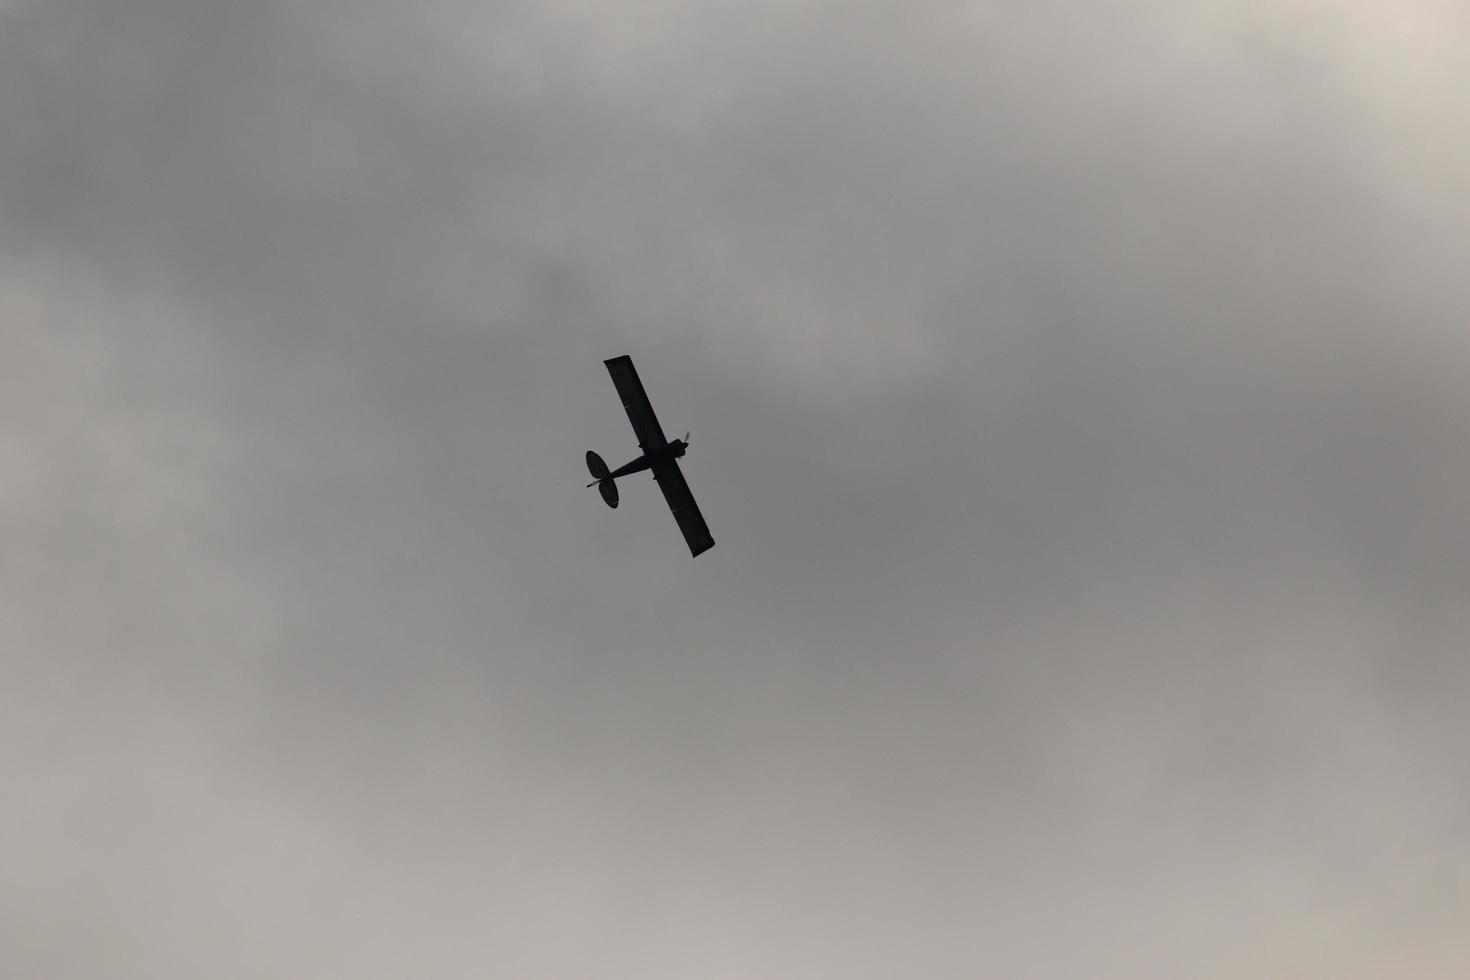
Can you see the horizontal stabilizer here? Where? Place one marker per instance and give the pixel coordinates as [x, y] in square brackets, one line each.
[596, 466]
[609, 490]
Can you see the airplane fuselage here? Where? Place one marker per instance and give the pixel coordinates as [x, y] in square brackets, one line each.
[664, 453]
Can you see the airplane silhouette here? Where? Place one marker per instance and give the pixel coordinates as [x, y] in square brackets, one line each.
[659, 455]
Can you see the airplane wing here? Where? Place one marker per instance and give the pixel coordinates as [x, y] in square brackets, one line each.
[681, 502]
[635, 403]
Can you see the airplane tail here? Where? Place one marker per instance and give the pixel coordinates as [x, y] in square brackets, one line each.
[603, 482]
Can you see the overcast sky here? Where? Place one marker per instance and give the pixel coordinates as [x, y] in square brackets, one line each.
[1080, 397]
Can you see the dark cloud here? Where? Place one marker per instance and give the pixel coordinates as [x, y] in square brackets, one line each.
[1077, 397]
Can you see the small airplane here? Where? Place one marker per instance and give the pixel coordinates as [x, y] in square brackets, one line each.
[659, 455]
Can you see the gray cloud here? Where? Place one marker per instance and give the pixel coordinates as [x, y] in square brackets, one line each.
[1077, 395]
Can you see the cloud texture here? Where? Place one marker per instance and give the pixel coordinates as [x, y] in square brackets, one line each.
[1079, 397]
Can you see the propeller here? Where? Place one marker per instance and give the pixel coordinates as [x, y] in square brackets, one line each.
[686, 438]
